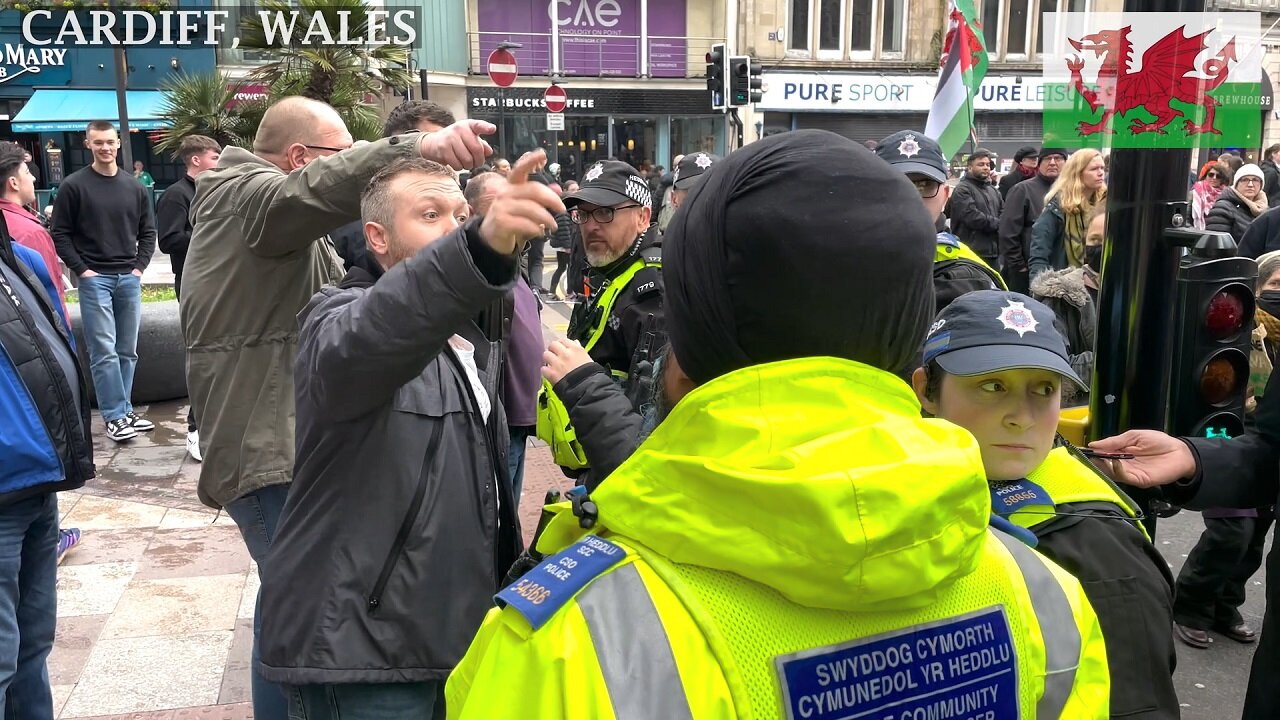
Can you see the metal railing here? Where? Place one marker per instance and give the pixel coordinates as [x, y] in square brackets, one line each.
[579, 55]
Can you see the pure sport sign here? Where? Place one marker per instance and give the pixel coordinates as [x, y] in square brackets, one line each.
[1153, 80]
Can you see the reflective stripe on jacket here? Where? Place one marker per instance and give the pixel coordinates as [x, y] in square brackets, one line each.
[783, 512]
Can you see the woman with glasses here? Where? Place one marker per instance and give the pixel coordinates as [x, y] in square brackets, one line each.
[1238, 205]
[1206, 191]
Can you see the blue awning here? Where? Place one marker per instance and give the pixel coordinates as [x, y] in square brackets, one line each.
[71, 110]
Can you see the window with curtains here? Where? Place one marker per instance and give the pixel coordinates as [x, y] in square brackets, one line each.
[848, 29]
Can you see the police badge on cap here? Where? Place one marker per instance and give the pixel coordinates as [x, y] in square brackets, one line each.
[610, 183]
[691, 168]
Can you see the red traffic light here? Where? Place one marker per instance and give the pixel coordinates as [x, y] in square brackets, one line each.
[1223, 376]
[1226, 313]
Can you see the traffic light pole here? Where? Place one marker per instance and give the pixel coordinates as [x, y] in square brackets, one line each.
[1135, 325]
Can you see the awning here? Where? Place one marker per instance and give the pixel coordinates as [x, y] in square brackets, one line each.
[71, 110]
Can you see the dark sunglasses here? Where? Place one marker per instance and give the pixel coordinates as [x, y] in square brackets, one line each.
[1212, 175]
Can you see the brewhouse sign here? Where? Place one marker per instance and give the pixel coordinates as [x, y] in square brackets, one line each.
[20, 60]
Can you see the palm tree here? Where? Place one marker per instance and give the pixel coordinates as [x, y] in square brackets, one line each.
[202, 105]
[343, 75]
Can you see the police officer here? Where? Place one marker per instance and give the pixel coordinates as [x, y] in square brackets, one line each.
[793, 534]
[687, 174]
[957, 268]
[598, 379]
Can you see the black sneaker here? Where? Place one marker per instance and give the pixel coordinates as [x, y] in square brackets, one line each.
[139, 424]
[120, 430]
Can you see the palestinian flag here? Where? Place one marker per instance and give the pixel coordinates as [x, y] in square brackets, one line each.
[964, 65]
[1153, 80]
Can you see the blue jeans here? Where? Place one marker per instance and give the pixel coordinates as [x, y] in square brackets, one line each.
[28, 605]
[390, 701]
[111, 310]
[520, 435]
[257, 514]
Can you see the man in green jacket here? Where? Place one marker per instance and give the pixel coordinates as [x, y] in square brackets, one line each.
[259, 251]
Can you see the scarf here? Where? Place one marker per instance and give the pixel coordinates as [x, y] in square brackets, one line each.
[1028, 172]
[1255, 207]
[1076, 227]
[1270, 322]
[1204, 195]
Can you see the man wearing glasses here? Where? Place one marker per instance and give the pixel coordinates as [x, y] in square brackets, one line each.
[956, 268]
[1021, 209]
[602, 372]
[258, 254]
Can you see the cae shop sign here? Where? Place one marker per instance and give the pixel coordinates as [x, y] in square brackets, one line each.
[836, 92]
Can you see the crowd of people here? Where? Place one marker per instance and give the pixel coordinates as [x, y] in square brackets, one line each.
[862, 507]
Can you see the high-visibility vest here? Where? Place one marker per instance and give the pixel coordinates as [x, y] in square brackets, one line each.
[648, 638]
[1059, 482]
[608, 627]
[554, 427]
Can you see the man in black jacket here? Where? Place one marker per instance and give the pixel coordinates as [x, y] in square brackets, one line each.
[602, 371]
[1241, 472]
[1022, 207]
[1263, 235]
[400, 478]
[1025, 163]
[173, 230]
[975, 209]
[44, 449]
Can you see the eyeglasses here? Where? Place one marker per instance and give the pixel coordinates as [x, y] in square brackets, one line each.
[1212, 175]
[927, 188]
[602, 215]
[1250, 180]
[326, 147]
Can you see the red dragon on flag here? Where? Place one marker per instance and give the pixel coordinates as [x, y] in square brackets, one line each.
[1162, 79]
[971, 47]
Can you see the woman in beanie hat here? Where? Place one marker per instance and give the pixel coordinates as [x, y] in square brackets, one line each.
[1205, 192]
[1057, 239]
[1239, 204]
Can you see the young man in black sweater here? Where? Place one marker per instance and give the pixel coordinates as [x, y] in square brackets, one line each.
[173, 226]
[105, 234]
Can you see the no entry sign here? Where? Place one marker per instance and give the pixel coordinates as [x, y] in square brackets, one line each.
[556, 99]
[502, 68]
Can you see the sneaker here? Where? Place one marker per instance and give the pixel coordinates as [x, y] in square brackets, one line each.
[138, 423]
[193, 445]
[67, 539]
[120, 430]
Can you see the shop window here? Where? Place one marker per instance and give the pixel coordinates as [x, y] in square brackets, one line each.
[893, 33]
[860, 31]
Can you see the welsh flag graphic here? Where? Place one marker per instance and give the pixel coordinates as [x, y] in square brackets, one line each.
[964, 65]
[1153, 80]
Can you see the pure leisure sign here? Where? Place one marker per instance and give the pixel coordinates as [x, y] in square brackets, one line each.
[597, 37]
[1153, 80]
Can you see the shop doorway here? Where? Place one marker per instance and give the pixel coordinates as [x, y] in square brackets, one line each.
[635, 141]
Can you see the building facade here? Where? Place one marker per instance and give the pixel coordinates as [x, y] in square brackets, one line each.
[49, 94]
[633, 71]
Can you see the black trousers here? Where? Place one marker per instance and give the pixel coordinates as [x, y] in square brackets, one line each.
[1017, 280]
[562, 265]
[1211, 585]
[536, 247]
[1262, 700]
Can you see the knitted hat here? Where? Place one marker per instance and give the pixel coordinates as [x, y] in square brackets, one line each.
[1245, 171]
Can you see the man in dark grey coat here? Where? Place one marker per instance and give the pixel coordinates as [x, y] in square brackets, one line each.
[975, 209]
[1022, 207]
[400, 523]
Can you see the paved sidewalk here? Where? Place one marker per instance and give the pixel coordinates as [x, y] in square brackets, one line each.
[155, 605]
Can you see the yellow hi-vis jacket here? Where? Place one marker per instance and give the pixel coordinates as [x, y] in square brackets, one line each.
[794, 540]
[1065, 480]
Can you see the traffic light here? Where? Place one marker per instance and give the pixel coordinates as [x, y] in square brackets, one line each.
[715, 76]
[755, 83]
[739, 81]
[1214, 321]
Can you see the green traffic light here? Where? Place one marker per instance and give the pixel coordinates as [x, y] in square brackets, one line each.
[1217, 432]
